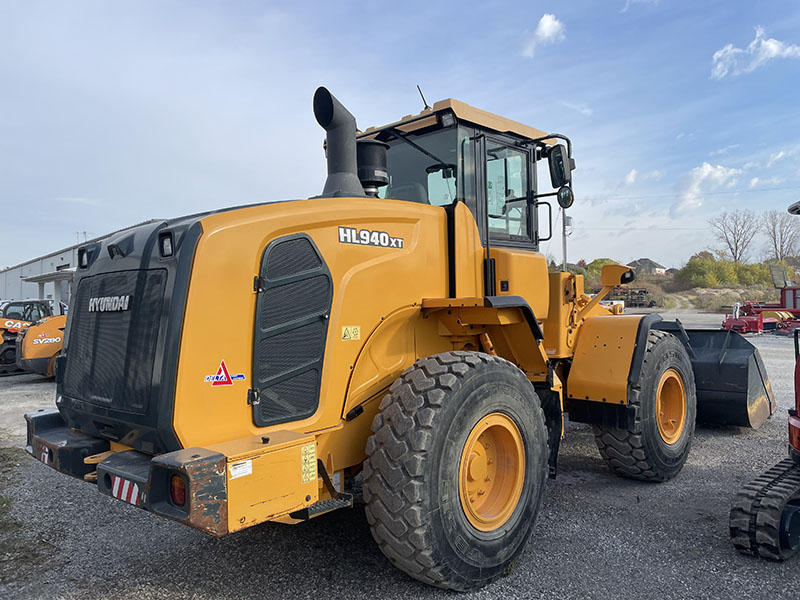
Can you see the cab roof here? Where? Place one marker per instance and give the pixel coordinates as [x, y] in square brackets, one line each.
[463, 112]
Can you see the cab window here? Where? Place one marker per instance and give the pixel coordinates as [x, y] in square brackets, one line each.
[14, 311]
[507, 190]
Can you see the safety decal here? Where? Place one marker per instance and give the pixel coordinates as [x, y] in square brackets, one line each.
[241, 469]
[351, 333]
[125, 490]
[223, 376]
[308, 463]
[368, 237]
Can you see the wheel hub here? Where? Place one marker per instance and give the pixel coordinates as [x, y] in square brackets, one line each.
[492, 472]
[671, 406]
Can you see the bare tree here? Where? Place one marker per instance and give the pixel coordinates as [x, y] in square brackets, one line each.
[735, 230]
[783, 233]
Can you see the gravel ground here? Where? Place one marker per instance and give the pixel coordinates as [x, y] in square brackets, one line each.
[598, 536]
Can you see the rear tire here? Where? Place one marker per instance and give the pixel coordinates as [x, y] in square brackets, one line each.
[51, 365]
[655, 448]
[426, 460]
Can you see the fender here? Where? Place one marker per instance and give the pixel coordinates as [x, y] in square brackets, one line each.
[608, 358]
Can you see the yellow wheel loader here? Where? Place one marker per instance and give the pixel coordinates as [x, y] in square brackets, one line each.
[403, 326]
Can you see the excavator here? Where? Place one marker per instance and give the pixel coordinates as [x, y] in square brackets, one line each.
[401, 327]
[765, 514]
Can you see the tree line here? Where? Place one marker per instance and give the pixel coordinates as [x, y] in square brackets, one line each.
[737, 231]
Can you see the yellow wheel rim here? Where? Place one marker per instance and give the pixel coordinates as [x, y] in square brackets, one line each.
[671, 406]
[492, 472]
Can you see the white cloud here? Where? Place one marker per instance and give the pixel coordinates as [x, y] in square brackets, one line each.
[724, 150]
[737, 61]
[629, 3]
[704, 177]
[773, 158]
[633, 176]
[549, 31]
[586, 111]
[765, 182]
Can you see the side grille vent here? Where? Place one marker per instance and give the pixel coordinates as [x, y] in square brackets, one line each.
[291, 327]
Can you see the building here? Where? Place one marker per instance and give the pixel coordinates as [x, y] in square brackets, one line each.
[38, 277]
[645, 266]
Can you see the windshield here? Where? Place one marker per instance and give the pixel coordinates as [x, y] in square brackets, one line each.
[434, 174]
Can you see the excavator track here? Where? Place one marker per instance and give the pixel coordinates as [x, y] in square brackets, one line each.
[765, 514]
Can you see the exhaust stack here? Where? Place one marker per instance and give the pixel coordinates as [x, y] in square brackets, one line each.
[340, 127]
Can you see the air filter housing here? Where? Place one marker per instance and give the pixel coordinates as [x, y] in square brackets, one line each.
[371, 159]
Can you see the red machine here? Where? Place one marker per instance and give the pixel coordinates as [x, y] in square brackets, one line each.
[747, 323]
[765, 514]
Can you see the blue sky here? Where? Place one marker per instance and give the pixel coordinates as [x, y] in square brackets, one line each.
[113, 113]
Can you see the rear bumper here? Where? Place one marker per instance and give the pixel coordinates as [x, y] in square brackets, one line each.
[135, 477]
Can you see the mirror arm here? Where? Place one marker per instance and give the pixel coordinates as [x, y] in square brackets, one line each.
[538, 141]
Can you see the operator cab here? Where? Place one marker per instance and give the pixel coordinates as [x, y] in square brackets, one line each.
[496, 166]
[26, 310]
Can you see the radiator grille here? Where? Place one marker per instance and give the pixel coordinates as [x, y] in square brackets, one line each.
[110, 356]
[291, 329]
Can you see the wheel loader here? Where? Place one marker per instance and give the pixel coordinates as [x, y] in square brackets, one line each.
[39, 345]
[401, 326]
[16, 316]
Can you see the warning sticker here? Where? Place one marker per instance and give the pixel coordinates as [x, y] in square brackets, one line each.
[308, 462]
[351, 333]
[241, 468]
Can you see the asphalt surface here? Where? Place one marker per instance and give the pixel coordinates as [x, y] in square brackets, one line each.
[598, 536]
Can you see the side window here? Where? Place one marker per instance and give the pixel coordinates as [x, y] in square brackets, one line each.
[441, 187]
[507, 191]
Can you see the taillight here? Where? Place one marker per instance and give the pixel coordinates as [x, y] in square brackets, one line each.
[177, 490]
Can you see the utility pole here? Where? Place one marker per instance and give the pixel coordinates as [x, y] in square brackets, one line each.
[565, 222]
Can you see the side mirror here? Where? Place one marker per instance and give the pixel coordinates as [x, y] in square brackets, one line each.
[614, 275]
[561, 166]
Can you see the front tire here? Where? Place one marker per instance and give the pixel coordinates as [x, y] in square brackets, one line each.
[456, 469]
[657, 445]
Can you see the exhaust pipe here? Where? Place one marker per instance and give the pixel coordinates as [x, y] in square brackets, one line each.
[340, 127]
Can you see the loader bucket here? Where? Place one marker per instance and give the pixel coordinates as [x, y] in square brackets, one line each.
[732, 384]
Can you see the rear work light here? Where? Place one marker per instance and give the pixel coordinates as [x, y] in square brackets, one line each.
[177, 490]
[165, 244]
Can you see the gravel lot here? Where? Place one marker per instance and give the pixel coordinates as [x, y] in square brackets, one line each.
[598, 536]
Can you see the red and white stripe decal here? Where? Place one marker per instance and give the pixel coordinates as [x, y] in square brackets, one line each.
[123, 489]
[45, 456]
